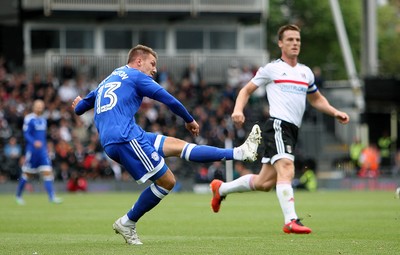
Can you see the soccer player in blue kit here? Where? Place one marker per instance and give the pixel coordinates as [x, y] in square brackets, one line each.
[36, 155]
[116, 101]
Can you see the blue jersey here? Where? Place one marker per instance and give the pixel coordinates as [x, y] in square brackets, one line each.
[117, 99]
[36, 159]
[35, 128]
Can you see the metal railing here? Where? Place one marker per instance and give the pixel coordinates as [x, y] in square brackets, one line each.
[212, 65]
[123, 6]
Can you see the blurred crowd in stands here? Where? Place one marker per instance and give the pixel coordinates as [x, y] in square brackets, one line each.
[73, 141]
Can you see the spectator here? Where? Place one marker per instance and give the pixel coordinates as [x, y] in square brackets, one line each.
[52, 81]
[12, 153]
[245, 75]
[91, 163]
[370, 162]
[384, 144]
[67, 91]
[39, 86]
[193, 75]
[77, 182]
[81, 85]
[65, 132]
[68, 72]
[12, 150]
[65, 159]
[233, 75]
[52, 113]
[201, 175]
[86, 71]
[356, 148]
[319, 79]
[216, 171]
[308, 179]
[80, 131]
[240, 170]
[163, 77]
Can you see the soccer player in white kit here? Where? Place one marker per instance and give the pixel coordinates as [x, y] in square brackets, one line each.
[288, 84]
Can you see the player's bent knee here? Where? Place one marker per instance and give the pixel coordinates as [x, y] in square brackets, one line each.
[266, 187]
[167, 181]
[167, 185]
[26, 176]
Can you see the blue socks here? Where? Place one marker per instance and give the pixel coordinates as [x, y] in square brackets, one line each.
[149, 198]
[205, 153]
[48, 185]
[21, 185]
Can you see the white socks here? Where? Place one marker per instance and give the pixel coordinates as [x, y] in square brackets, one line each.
[241, 184]
[284, 192]
[237, 154]
[127, 222]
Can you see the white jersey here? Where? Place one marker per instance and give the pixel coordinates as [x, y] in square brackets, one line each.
[287, 88]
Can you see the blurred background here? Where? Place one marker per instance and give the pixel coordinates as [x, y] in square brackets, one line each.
[208, 49]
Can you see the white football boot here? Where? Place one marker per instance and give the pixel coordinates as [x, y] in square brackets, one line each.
[56, 200]
[250, 146]
[20, 201]
[128, 233]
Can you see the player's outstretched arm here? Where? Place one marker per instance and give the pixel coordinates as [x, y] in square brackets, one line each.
[193, 128]
[81, 106]
[75, 102]
[342, 117]
[319, 102]
[241, 101]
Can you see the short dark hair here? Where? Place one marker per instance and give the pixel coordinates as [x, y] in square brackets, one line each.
[284, 28]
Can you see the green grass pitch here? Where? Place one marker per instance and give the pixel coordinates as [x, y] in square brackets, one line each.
[343, 222]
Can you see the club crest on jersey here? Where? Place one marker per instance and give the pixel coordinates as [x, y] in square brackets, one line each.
[155, 156]
[304, 75]
[289, 148]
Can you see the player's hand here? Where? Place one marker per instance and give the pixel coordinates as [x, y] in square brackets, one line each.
[238, 118]
[37, 144]
[193, 128]
[76, 101]
[342, 117]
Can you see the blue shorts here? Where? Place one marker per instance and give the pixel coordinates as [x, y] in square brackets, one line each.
[157, 141]
[35, 161]
[140, 157]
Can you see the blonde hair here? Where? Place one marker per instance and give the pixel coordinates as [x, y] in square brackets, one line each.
[140, 51]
